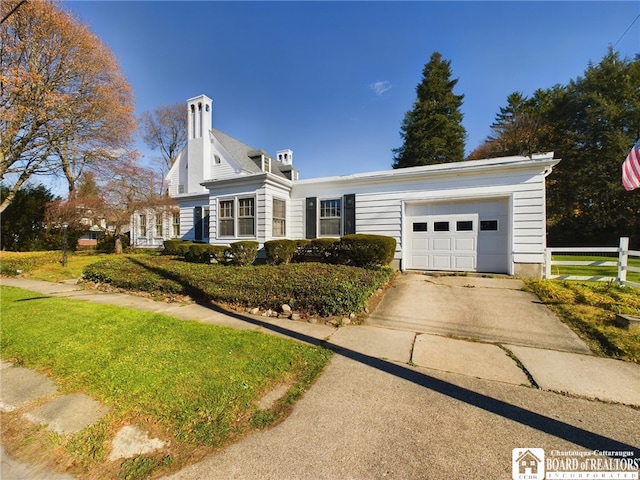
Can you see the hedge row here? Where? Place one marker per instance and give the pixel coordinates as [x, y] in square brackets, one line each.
[359, 250]
[238, 253]
[311, 288]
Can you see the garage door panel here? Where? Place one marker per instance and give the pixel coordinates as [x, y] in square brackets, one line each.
[465, 246]
[441, 262]
[420, 261]
[421, 243]
[442, 244]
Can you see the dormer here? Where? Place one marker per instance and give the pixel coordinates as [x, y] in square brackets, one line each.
[261, 159]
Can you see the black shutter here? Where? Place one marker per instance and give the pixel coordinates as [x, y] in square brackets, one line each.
[311, 217]
[197, 223]
[349, 202]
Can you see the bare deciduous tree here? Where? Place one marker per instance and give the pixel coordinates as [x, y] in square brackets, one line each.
[165, 129]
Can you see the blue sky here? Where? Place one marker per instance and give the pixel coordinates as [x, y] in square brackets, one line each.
[333, 80]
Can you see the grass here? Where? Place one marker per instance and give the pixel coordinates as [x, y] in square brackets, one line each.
[589, 308]
[47, 266]
[193, 384]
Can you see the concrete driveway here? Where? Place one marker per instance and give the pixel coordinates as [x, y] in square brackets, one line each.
[493, 310]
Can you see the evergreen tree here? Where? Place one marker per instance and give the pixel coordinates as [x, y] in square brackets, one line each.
[432, 131]
[23, 225]
[515, 131]
[593, 123]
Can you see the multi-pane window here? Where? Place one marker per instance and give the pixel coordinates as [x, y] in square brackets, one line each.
[225, 218]
[158, 225]
[279, 218]
[175, 227]
[143, 225]
[330, 214]
[246, 217]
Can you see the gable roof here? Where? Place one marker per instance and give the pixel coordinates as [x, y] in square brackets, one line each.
[243, 154]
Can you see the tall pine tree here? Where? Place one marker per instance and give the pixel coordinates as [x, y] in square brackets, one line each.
[433, 131]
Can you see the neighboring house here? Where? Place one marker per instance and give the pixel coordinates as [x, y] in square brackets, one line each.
[151, 227]
[90, 239]
[481, 215]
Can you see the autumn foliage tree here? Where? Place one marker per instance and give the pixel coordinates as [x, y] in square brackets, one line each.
[65, 106]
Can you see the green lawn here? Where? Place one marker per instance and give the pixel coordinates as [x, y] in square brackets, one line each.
[193, 384]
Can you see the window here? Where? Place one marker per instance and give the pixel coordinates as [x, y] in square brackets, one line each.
[420, 226]
[440, 226]
[279, 218]
[330, 211]
[158, 225]
[143, 225]
[225, 216]
[246, 217]
[488, 225]
[464, 226]
[175, 225]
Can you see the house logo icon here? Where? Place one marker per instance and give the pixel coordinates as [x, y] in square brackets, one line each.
[528, 463]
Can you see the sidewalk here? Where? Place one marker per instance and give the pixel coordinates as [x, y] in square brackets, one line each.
[402, 373]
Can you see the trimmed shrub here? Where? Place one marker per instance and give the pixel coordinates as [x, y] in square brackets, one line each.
[323, 250]
[171, 247]
[280, 251]
[198, 253]
[218, 253]
[183, 248]
[242, 253]
[368, 251]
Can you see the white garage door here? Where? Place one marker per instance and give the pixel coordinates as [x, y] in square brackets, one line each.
[458, 236]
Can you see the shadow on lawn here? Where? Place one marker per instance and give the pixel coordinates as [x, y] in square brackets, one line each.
[557, 428]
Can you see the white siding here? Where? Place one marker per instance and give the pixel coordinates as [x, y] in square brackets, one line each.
[227, 167]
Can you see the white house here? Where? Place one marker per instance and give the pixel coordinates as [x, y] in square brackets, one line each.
[479, 216]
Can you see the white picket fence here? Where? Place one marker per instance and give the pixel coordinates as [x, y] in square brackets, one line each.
[622, 262]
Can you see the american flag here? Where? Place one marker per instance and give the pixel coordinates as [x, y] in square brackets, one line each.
[631, 169]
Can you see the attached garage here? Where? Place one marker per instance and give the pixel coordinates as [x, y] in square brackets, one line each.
[471, 236]
[475, 216]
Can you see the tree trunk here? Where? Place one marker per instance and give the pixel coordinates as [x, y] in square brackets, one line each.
[118, 245]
